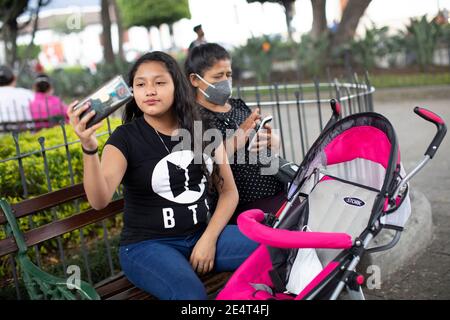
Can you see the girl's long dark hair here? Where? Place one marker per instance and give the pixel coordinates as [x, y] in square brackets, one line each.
[184, 105]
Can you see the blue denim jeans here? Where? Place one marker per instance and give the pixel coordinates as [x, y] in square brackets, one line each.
[161, 266]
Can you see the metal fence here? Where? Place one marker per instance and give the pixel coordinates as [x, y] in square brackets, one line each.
[16, 116]
[300, 112]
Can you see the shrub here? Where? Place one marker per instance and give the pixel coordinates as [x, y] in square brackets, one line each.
[36, 182]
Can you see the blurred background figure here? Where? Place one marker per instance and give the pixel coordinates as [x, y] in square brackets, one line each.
[46, 109]
[14, 102]
[200, 37]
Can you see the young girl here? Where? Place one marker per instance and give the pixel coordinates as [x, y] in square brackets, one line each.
[208, 68]
[166, 238]
[46, 109]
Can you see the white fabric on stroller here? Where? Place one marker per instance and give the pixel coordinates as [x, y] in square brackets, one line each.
[362, 171]
[336, 206]
[305, 268]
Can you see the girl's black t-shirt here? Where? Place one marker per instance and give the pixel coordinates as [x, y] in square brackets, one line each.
[164, 193]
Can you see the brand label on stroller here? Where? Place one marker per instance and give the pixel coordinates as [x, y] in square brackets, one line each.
[354, 201]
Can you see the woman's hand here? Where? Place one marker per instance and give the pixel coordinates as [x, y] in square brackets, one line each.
[242, 134]
[87, 136]
[266, 139]
[203, 254]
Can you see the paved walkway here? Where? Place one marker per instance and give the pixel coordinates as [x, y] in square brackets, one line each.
[427, 276]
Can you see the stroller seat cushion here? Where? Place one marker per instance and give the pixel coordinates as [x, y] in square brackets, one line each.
[337, 206]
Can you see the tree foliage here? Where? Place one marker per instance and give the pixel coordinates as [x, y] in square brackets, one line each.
[153, 12]
[10, 10]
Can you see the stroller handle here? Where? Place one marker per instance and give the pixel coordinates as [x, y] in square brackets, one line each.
[441, 129]
[336, 113]
[249, 223]
[336, 107]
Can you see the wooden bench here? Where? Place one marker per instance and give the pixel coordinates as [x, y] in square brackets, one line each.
[42, 285]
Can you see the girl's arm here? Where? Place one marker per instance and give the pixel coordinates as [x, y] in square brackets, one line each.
[203, 254]
[100, 179]
[228, 196]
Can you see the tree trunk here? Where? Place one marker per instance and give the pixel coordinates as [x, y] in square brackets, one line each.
[350, 18]
[10, 31]
[172, 39]
[289, 12]
[33, 34]
[10, 27]
[108, 53]
[119, 28]
[319, 24]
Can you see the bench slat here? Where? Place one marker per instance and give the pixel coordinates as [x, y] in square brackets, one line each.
[120, 288]
[60, 227]
[132, 293]
[113, 286]
[45, 201]
[8, 246]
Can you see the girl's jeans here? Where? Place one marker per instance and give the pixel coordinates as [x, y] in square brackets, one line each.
[161, 266]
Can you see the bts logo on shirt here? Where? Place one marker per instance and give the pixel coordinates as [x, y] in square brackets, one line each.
[176, 178]
[182, 179]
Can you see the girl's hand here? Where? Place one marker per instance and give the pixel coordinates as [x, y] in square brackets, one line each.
[87, 136]
[203, 254]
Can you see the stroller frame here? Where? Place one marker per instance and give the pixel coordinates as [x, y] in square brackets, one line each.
[341, 272]
[361, 245]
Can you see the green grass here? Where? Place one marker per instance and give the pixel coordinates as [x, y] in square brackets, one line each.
[409, 80]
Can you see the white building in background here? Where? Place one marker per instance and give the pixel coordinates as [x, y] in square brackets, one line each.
[72, 36]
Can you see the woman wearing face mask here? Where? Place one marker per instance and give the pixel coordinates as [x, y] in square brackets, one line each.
[166, 239]
[208, 68]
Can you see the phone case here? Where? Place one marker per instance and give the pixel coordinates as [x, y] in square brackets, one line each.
[110, 97]
[252, 138]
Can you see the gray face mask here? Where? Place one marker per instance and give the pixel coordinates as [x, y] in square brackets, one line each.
[217, 93]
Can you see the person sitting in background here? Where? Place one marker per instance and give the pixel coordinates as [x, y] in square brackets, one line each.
[14, 102]
[46, 109]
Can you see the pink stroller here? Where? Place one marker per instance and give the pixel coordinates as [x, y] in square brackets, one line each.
[349, 187]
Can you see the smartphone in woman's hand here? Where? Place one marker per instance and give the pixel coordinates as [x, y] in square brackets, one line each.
[258, 127]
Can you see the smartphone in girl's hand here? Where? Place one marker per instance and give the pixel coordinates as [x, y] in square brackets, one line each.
[111, 96]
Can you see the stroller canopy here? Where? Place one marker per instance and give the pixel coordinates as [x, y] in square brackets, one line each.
[342, 187]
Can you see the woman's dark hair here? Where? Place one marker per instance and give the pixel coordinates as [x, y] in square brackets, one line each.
[199, 60]
[42, 83]
[184, 106]
[203, 57]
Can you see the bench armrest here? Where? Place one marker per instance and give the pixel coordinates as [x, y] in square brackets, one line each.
[41, 285]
